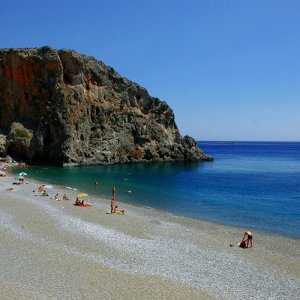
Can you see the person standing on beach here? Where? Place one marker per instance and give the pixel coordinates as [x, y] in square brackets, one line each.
[248, 234]
[112, 202]
[112, 205]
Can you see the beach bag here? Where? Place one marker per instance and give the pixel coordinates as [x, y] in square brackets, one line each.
[243, 244]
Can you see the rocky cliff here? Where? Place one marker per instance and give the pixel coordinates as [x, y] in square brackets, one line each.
[63, 108]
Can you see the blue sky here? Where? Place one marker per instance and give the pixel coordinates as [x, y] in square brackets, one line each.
[229, 69]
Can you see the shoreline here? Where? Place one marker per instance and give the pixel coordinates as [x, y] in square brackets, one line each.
[137, 205]
[169, 256]
[228, 205]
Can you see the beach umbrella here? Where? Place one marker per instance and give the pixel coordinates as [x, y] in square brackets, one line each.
[82, 195]
[23, 174]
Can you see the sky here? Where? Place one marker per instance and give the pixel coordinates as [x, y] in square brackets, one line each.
[229, 69]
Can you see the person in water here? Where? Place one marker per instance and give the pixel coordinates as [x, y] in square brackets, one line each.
[248, 238]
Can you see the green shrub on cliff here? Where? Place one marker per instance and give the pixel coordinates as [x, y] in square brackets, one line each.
[101, 119]
[22, 133]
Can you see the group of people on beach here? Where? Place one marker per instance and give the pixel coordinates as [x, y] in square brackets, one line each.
[114, 208]
[81, 203]
[41, 191]
[7, 162]
[245, 242]
[57, 198]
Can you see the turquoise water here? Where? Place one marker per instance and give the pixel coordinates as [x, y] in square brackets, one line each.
[253, 185]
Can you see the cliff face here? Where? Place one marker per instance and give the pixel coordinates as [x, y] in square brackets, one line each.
[59, 107]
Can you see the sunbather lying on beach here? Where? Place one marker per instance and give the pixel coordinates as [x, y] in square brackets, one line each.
[41, 189]
[77, 202]
[117, 211]
[85, 204]
[10, 189]
[81, 203]
[56, 198]
[66, 197]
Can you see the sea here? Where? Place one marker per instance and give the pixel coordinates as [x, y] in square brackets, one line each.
[252, 185]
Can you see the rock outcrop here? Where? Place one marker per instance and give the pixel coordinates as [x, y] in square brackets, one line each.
[62, 108]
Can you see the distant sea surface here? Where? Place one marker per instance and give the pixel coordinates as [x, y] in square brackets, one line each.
[253, 185]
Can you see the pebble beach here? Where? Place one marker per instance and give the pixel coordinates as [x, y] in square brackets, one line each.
[55, 250]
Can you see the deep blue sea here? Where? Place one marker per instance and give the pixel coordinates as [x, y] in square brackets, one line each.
[254, 185]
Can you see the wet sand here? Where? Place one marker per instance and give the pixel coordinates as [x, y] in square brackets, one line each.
[54, 250]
